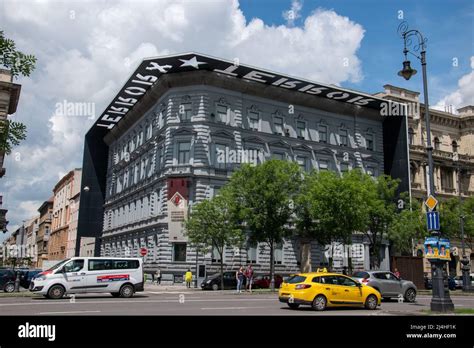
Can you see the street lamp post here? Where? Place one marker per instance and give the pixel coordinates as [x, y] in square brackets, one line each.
[441, 301]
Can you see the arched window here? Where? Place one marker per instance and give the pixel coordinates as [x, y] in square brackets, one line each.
[437, 143]
[455, 146]
[411, 136]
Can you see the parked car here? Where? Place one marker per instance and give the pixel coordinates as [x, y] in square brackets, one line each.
[27, 276]
[388, 284]
[263, 281]
[320, 290]
[7, 280]
[213, 282]
[451, 283]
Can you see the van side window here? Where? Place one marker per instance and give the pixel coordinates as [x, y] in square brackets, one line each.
[74, 266]
[100, 264]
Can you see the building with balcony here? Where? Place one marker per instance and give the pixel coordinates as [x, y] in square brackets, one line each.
[158, 149]
[64, 192]
[44, 231]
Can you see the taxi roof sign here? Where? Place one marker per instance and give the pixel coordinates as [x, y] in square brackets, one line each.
[431, 202]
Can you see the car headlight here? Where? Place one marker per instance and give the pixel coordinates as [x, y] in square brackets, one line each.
[209, 281]
[42, 277]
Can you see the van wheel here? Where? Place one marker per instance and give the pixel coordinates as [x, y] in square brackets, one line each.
[126, 291]
[319, 303]
[371, 302]
[293, 305]
[115, 294]
[215, 287]
[56, 292]
[10, 287]
[410, 295]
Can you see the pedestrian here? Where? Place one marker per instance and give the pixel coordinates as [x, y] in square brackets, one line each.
[344, 270]
[188, 277]
[249, 277]
[396, 272]
[239, 275]
[158, 276]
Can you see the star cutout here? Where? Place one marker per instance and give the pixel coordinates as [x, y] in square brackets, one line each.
[191, 62]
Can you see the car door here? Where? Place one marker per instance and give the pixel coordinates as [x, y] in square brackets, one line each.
[229, 280]
[332, 290]
[350, 292]
[74, 275]
[388, 284]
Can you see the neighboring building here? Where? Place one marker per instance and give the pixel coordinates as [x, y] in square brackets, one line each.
[31, 231]
[452, 137]
[144, 170]
[74, 211]
[44, 230]
[64, 191]
[87, 246]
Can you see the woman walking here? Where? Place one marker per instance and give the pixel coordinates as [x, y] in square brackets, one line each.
[239, 275]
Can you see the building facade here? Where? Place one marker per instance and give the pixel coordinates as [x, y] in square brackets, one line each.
[64, 193]
[452, 137]
[44, 231]
[181, 142]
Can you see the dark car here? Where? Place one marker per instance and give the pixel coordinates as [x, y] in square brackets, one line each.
[214, 282]
[451, 283]
[27, 276]
[7, 280]
[263, 281]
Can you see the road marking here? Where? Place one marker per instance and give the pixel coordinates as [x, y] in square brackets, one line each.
[71, 312]
[212, 308]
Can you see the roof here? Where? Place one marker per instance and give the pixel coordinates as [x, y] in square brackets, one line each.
[149, 71]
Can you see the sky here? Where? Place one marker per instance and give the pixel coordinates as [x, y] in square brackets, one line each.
[86, 50]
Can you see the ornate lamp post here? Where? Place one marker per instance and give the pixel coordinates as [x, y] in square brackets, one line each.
[440, 302]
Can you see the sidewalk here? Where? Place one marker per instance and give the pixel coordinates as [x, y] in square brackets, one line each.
[168, 287]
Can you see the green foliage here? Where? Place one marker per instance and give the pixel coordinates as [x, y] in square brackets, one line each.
[17, 62]
[450, 212]
[11, 134]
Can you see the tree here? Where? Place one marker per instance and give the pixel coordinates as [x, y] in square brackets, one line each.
[213, 224]
[450, 212]
[11, 134]
[264, 195]
[17, 62]
[408, 225]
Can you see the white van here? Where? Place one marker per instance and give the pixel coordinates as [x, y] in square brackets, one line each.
[122, 277]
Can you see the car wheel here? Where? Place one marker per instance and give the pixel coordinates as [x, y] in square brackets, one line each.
[319, 303]
[215, 287]
[293, 305]
[115, 294]
[371, 302]
[126, 291]
[56, 292]
[10, 287]
[410, 295]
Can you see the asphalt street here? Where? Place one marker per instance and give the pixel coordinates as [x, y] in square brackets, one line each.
[197, 303]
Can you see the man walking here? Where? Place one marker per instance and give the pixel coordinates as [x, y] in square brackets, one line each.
[158, 276]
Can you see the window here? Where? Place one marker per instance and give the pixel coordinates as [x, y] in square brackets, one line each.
[278, 124]
[344, 167]
[221, 111]
[254, 120]
[74, 266]
[296, 279]
[323, 134]
[316, 280]
[323, 165]
[344, 281]
[279, 156]
[343, 141]
[220, 162]
[301, 129]
[149, 131]
[302, 162]
[437, 143]
[454, 144]
[411, 136]
[369, 140]
[184, 149]
[330, 280]
[252, 255]
[447, 178]
[101, 264]
[278, 252]
[185, 111]
[179, 252]
[370, 171]
[215, 255]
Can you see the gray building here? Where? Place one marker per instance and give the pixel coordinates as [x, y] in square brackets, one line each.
[172, 139]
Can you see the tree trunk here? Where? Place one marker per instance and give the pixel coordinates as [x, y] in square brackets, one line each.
[272, 267]
[305, 266]
[222, 272]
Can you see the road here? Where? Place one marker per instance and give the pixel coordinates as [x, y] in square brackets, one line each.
[196, 303]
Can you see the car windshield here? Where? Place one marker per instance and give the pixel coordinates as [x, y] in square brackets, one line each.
[56, 266]
[360, 275]
[296, 279]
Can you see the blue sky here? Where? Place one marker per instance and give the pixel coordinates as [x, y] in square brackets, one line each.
[448, 25]
[86, 50]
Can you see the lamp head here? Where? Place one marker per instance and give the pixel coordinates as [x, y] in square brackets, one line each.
[407, 70]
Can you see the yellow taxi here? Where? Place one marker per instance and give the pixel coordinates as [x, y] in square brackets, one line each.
[323, 289]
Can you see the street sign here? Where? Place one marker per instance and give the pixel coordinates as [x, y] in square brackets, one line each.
[431, 202]
[432, 219]
[143, 251]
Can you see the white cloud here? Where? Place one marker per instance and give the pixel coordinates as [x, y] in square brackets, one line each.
[294, 13]
[87, 50]
[463, 95]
